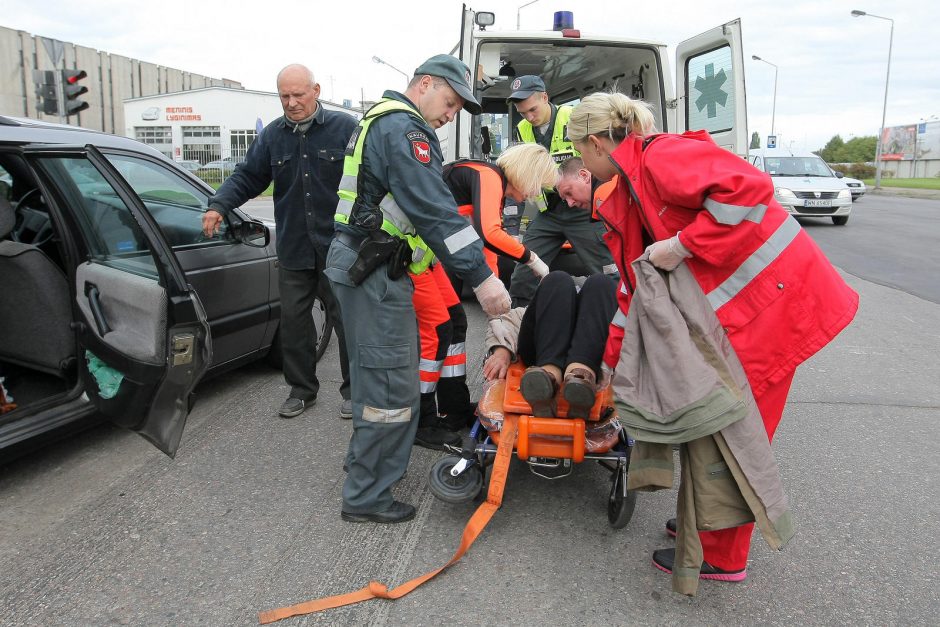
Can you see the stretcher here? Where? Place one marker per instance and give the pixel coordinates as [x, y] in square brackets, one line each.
[549, 445]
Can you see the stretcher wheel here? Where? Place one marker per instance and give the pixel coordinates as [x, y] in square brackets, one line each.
[621, 503]
[460, 489]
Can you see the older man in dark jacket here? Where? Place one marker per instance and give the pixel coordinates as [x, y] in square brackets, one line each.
[302, 154]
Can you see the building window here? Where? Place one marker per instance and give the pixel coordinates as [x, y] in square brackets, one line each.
[200, 131]
[241, 139]
[202, 144]
[160, 137]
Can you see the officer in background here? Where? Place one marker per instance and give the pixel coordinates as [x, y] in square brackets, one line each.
[546, 124]
[392, 200]
[301, 153]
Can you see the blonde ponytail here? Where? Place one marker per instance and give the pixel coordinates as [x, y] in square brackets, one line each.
[612, 115]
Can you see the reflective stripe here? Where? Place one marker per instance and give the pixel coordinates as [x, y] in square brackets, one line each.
[457, 370]
[610, 268]
[375, 414]
[427, 387]
[734, 214]
[623, 289]
[430, 365]
[620, 319]
[461, 239]
[455, 364]
[755, 263]
[394, 220]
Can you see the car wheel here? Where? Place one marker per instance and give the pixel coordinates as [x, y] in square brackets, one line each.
[321, 317]
[840, 220]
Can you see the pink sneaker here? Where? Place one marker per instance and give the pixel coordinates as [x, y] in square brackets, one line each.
[663, 559]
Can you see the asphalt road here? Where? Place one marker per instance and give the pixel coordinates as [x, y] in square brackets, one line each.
[103, 529]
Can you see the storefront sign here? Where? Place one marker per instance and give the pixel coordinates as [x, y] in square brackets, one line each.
[182, 114]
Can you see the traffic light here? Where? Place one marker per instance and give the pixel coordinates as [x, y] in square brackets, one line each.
[47, 93]
[72, 90]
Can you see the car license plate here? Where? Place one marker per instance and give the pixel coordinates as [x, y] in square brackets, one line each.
[812, 202]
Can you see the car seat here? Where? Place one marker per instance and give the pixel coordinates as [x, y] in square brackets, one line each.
[35, 309]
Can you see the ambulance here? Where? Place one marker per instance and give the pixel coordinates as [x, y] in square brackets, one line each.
[707, 92]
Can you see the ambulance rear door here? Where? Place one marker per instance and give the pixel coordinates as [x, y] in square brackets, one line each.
[710, 86]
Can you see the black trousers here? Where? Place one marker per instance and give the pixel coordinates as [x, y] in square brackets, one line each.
[547, 234]
[562, 325]
[299, 335]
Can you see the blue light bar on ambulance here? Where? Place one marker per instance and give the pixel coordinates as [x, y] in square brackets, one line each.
[564, 21]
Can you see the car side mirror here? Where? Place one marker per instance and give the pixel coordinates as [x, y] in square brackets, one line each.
[254, 233]
[839, 175]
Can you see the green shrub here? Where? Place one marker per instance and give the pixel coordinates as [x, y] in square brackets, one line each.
[860, 171]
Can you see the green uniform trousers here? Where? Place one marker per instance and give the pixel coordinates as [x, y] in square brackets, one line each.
[382, 343]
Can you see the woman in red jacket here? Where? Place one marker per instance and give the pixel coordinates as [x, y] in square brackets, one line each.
[690, 201]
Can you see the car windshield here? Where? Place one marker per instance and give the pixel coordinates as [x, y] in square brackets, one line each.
[797, 166]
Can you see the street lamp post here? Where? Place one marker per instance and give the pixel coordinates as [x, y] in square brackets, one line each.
[884, 109]
[519, 11]
[380, 61]
[773, 109]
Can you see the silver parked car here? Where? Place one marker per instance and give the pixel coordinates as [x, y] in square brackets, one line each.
[804, 184]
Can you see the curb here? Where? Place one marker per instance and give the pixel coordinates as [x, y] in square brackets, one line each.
[907, 192]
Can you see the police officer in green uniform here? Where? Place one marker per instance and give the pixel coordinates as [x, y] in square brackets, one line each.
[546, 124]
[395, 214]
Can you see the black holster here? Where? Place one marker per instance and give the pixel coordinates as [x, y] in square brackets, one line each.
[376, 249]
[399, 261]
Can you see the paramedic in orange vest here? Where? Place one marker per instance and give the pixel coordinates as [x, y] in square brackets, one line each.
[481, 190]
[442, 367]
[687, 200]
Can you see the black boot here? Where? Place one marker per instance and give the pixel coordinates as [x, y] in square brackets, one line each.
[431, 432]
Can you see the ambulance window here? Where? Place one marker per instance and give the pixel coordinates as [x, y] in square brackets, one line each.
[710, 88]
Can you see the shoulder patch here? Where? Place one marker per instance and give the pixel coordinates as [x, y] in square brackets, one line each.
[420, 146]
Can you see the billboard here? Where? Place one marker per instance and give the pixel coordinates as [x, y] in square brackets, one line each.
[897, 142]
[900, 142]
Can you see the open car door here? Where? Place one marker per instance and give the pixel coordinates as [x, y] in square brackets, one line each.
[710, 86]
[142, 333]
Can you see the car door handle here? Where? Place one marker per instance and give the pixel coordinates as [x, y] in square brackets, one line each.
[97, 312]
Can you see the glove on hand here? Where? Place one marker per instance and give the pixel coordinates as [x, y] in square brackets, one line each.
[537, 266]
[667, 254]
[501, 332]
[493, 296]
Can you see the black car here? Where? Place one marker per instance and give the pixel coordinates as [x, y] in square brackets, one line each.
[112, 301]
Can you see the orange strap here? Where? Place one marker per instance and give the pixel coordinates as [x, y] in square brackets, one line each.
[479, 520]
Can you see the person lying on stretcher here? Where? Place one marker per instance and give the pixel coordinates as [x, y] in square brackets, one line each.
[561, 334]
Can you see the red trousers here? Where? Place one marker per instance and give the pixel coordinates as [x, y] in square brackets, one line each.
[727, 549]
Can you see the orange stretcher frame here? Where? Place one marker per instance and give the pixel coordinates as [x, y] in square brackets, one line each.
[539, 437]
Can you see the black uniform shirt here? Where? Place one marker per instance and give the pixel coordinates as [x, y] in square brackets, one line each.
[306, 168]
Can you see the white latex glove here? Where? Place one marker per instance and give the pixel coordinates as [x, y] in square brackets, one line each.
[667, 254]
[607, 375]
[536, 265]
[500, 332]
[493, 296]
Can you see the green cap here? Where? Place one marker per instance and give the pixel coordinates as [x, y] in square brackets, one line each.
[457, 75]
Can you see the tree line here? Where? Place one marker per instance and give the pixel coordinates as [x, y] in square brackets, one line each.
[837, 150]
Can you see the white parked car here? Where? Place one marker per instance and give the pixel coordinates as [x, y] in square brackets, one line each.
[856, 186]
[804, 184]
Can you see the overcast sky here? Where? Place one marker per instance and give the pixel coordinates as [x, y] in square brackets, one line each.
[831, 75]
